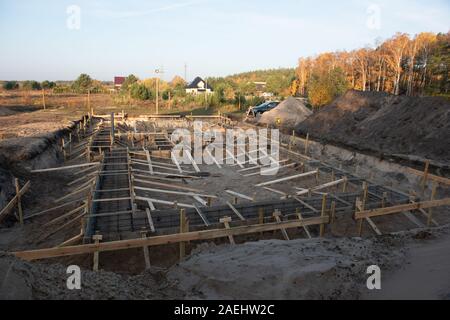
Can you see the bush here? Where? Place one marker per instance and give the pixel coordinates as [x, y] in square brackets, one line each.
[82, 84]
[140, 92]
[31, 85]
[11, 85]
[48, 84]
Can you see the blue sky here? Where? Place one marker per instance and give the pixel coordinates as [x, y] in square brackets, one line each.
[214, 37]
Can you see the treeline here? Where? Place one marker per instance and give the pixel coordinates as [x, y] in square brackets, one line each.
[28, 85]
[278, 82]
[418, 65]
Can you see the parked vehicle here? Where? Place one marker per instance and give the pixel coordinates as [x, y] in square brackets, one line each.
[262, 108]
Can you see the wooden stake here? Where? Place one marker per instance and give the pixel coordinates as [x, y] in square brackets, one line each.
[182, 229]
[299, 215]
[333, 211]
[322, 214]
[97, 238]
[277, 215]
[425, 174]
[145, 249]
[306, 144]
[226, 221]
[43, 98]
[19, 202]
[430, 211]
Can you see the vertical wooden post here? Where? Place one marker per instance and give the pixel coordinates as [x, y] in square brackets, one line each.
[358, 207]
[19, 201]
[182, 228]
[63, 148]
[97, 238]
[317, 175]
[384, 199]
[306, 144]
[261, 215]
[333, 211]
[425, 174]
[322, 214]
[145, 249]
[209, 201]
[43, 98]
[112, 128]
[226, 221]
[235, 201]
[430, 211]
[365, 194]
[344, 185]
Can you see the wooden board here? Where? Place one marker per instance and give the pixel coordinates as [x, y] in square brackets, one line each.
[166, 239]
[401, 208]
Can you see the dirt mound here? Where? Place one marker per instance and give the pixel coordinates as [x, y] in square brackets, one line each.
[290, 112]
[297, 269]
[35, 281]
[407, 127]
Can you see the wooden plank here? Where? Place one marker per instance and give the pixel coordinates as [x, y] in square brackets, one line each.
[401, 208]
[72, 241]
[287, 178]
[226, 221]
[300, 217]
[240, 195]
[150, 220]
[306, 205]
[235, 211]
[51, 209]
[277, 215]
[166, 239]
[170, 203]
[413, 219]
[66, 167]
[4, 212]
[189, 194]
[268, 170]
[200, 200]
[432, 177]
[149, 160]
[284, 194]
[213, 158]
[172, 186]
[64, 216]
[202, 215]
[321, 187]
[373, 226]
[233, 157]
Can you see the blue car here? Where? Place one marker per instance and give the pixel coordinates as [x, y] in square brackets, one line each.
[266, 106]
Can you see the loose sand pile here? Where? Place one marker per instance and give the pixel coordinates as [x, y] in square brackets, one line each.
[290, 112]
[405, 127]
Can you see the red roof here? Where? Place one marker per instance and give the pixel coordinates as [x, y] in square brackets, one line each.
[119, 81]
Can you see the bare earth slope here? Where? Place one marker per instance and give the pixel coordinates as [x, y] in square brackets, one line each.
[385, 124]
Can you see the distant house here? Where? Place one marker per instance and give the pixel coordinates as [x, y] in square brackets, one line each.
[118, 81]
[198, 86]
[261, 90]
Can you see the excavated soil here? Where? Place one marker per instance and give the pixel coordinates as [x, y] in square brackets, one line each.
[289, 113]
[411, 128]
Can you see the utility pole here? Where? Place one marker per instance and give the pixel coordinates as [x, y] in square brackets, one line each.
[43, 97]
[185, 72]
[158, 71]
